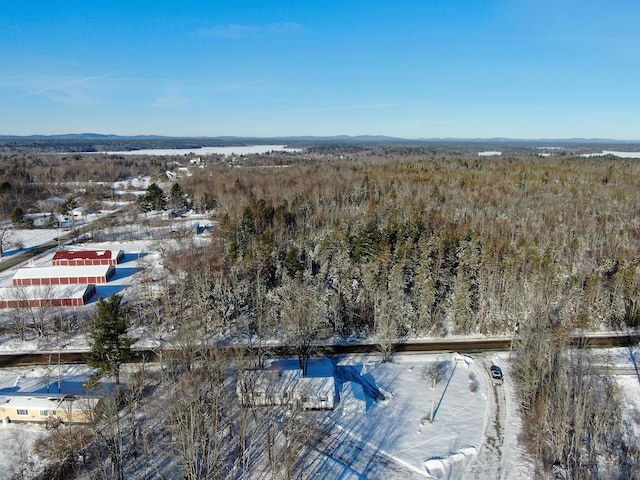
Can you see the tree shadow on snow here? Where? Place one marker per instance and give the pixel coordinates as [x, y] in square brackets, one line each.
[123, 273]
[353, 373]
[105, 291]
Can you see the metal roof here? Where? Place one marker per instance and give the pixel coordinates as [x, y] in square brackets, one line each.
[42, 292]
[86, 254]
[62, 272]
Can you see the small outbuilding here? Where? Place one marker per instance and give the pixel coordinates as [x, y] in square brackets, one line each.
[29, 276]
[78, 258]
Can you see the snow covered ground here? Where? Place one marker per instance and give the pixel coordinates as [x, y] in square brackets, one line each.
[474, 433]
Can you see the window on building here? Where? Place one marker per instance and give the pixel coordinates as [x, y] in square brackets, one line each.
[22, 411]
[44, 413]
[323, 398]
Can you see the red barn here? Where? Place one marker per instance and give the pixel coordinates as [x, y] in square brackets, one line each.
[30, 276]
[77, 258]
[43, 296]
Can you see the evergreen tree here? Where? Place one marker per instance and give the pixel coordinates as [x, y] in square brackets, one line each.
[52, 221]
[67, 207]
[153, 199]
[110, 346]
[17, 217]
[177, 197]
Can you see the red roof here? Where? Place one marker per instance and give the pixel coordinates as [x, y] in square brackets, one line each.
[82, 254]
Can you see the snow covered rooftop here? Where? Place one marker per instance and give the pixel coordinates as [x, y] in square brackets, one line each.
[43, 402]
[62, 272]
[87, 254]
[43, 292]
[284, 387]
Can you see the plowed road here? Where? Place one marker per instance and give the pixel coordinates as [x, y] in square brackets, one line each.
[457, 345]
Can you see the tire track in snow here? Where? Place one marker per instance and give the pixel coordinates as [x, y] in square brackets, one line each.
[490, 461]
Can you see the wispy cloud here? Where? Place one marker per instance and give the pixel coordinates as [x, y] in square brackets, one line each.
[234, 31]
[59, 87]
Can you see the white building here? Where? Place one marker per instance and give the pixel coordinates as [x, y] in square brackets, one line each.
[286, 388]
[43, 408]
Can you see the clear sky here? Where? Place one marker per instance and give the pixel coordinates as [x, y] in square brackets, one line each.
[412, 69]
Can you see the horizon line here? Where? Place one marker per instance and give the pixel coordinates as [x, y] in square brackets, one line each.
[380, 137]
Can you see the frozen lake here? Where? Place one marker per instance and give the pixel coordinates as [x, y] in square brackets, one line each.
[240, 150]
[614, 153]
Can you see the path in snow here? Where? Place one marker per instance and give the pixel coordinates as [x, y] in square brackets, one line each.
[490, 460]
[501, 456]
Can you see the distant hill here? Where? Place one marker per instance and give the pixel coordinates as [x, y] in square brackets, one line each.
[97, 142]
[339, 138]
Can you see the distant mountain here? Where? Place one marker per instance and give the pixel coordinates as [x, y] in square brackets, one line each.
[81, 136]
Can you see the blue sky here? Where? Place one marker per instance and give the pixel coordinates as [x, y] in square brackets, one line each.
[412, 69]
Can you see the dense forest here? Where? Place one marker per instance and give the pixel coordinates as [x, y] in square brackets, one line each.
[392, 247]
[406, 247]
[395, 243]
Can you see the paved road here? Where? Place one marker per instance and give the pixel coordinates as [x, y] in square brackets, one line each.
[14, 260]
[475, 345]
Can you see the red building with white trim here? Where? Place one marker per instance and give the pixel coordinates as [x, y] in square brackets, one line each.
[46, 296]
[30, 276]
[76, 258]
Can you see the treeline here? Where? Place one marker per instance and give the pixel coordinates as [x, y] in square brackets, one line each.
[576, 424]
[101, 143]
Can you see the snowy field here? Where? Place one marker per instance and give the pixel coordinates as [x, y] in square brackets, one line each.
[473, 434]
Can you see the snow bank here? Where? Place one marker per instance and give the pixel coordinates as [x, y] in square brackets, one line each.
[452, 465]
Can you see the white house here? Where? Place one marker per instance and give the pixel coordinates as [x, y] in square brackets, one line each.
[286, 388]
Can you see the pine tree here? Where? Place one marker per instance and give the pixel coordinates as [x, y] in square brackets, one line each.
[152, 199]
[177, 197]
[110, 346]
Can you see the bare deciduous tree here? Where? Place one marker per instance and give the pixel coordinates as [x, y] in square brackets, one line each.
[435, 373]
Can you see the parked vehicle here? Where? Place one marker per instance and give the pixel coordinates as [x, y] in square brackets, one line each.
[496, 374]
